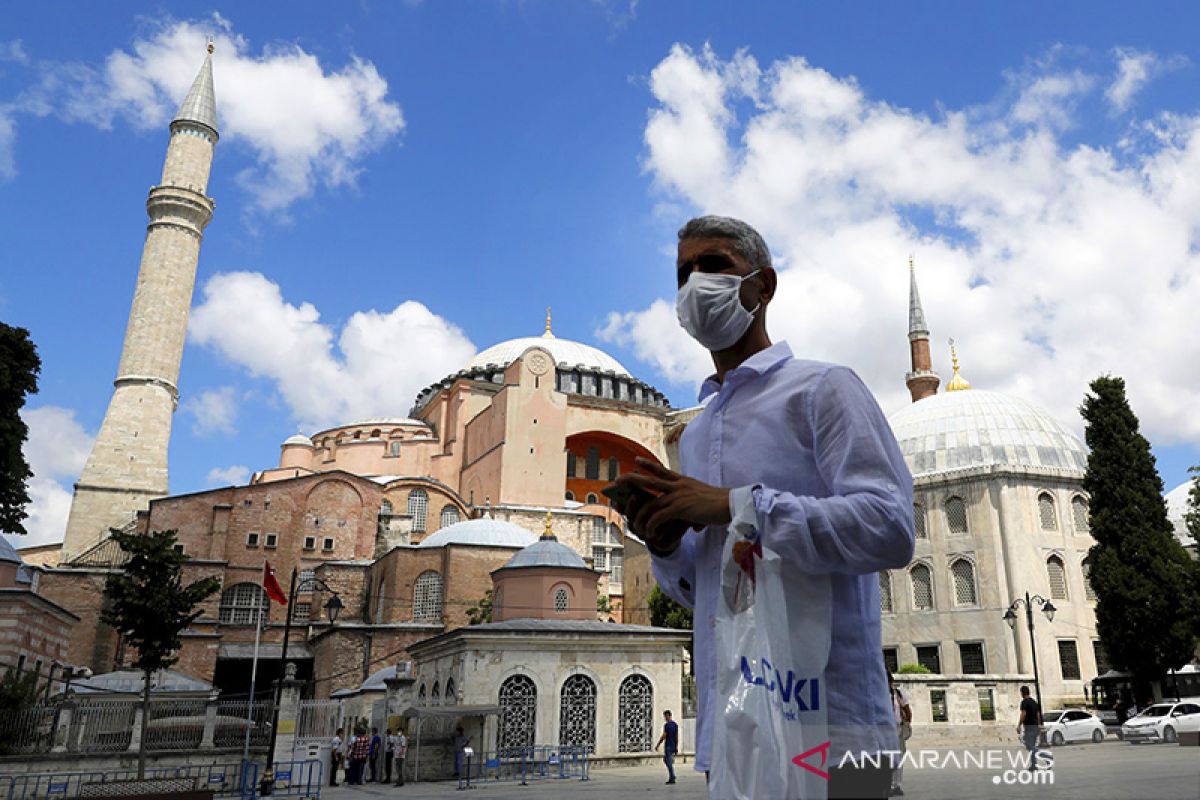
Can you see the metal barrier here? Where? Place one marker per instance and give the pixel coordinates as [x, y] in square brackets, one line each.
[175, 725]
[301, 779]
[525, 764]
[29, 730]
[105, 726]
[230, 726]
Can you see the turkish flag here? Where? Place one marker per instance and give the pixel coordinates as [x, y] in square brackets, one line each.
[272, 586]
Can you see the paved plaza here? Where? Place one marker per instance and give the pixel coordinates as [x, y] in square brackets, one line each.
[1111, 770]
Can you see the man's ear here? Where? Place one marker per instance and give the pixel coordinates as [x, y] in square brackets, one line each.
[770, 281]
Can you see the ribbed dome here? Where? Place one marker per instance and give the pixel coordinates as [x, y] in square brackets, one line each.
[976, 428]
[298, 438]
[547, 553]
[564, 351]
[1177, 502]
[485, 531]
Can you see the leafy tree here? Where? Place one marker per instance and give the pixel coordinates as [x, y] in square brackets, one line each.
[913, 669]
[1191, 514]
[150, 606]
[19, 368]
[481, 612]
[18, 692]
[666, 613]
[1147, 598]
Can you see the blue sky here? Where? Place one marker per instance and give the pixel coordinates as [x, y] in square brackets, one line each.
[508, 156]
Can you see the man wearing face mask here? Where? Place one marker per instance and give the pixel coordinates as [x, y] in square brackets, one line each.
[799, 450]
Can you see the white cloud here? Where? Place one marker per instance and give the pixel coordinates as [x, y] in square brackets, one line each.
[14, 51]
[1135, 69]
[1049, 263]
[1051, 99]
[234, 475]
[379, 363]
[56, 450]
[304, 124]
[215, 411]
[8, 137]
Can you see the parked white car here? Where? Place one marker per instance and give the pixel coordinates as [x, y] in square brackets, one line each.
[1072, 725]
[1162, 722]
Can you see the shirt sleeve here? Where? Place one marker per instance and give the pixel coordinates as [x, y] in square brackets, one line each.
[676, 573]
[865, 524]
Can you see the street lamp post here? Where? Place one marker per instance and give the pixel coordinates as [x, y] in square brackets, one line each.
[1010, 617]
[332, 609]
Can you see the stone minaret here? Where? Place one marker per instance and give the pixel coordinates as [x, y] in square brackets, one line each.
[922, 381]
[128, 464]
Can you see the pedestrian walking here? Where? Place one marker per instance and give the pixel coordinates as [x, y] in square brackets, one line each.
[461, 740]
[1029, 728]
[336, 752]
[669, 741]
[797, 455]
[389, 751]
[903, 713]
[373, 758]
[401, 753]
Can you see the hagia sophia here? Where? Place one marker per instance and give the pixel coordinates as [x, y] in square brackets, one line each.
[496, 472]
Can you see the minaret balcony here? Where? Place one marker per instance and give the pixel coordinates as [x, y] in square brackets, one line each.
[179, 205]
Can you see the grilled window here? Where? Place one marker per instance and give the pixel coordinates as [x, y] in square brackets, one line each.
[922, 587]
[427, 597]
[1046, 514]
[963, 573]
[241, 602]
[891, 660]
[1079, 514]
[971, 655]
[956, 515]
[1068, 659]
[600, 559]
[937, 705]
[614, 469]
[449, 515]
[635, 716]
[987, 704]
[1088, 591]
[919, 521]
[1102, 662]
[885, 592]
[301, 612]
[577, 713]
[570, 464]
[930, 657]
[561, 601]
[418, 505]
[592, 467]
[385, 508]
[1057, 575]
[518, 713]
[616, 563]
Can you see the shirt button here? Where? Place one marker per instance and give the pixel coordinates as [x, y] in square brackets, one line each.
[891, 487]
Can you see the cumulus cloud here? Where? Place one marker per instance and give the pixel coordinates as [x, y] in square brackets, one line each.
[373, 366]
[1135, 69]
[1048, 263]
[304, 124]
[214, 411]
[234, 475]
[56, 450]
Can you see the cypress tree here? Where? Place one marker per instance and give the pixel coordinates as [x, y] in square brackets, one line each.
[1147, 600]
[19, 367]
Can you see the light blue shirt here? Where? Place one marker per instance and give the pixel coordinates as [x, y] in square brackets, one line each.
[811, 459]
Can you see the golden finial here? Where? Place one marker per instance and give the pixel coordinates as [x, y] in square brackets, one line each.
[211, 45]
[549, 334]
[548, 533]
[957, 382]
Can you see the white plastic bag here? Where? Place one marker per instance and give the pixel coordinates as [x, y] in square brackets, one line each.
[770, 739]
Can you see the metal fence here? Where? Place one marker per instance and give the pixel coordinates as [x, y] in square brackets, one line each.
[28, 731]
[231, 723]
[175, 725]
[319, 719]
[292, 779]
[523, 765]
[104, 726]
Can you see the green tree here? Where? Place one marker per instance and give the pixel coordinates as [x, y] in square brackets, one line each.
[18, 693]
[1147, 599]
[19, 368]
[150, 606]
[481, 612]
[913, 669]
[666, 613]
[1191, 514]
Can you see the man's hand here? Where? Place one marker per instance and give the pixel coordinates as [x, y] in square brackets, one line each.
[677, 504]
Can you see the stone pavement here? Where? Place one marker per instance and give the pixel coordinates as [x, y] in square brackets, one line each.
[1111, 770]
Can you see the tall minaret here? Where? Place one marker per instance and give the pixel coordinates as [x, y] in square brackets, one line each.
[922, 381]
[128, 464]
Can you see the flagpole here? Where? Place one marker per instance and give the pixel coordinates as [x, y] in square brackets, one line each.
[262, 602]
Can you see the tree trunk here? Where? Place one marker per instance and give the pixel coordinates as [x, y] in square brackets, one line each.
[145, 724]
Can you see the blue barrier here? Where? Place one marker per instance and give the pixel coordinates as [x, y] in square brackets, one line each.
[524, 764]
[292, 779]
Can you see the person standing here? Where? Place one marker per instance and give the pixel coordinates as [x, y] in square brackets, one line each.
[797, 453]
[903, 712]
[336, 751]
[360, 750]
[1029, 728]
[669, 741]
[461, 740]
[401, 753]
[389, 751]
[373, 758]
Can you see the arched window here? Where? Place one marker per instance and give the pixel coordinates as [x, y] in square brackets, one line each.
[614, 468]
[570, 496]
[561, 600]
[518, 715]
[919, 521]
[449, 515]
[395, 447]
[1046, 513]
[435, 697]
[1088, 591]
[963, 573]
[450, 697]
[885, 592]
[635, 715]
[421, 695]
[1057, 574]
[427, 597]
[418, 504]
[1079, 514]
[592, 498]
[385, 508]
[922, 587]
[570, 464]
[592, 467]
[577, 717]
[956, 515]
[241, 602]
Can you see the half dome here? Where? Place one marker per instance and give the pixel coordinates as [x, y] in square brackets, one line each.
[564, 351]
[976, 428]
[484, 531]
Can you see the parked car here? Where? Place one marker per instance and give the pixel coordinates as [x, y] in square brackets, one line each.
[1072, 725]
[1163, 722]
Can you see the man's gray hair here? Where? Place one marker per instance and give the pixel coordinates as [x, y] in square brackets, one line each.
[747, 242]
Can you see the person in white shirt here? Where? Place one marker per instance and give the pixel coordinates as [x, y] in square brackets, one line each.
[336, 756]
[903, 713]
[389, 753]
[399, 754]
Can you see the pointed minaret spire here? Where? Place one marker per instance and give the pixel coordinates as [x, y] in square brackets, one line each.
[549, 334]
[200, 105]
[922, 381]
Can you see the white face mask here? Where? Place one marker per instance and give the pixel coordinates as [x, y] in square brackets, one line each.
[710, 309]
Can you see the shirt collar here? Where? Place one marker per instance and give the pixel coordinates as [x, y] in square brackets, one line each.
[760, 363]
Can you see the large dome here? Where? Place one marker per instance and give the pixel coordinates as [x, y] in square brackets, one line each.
[564, 351]
[484, 531]
[1177, 506]
[975, 428]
